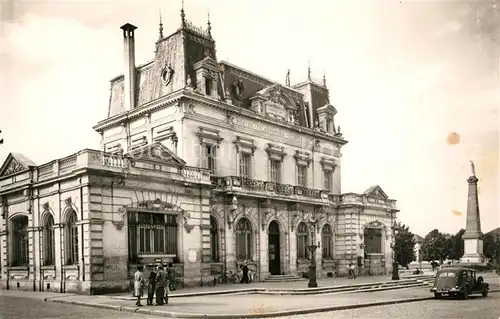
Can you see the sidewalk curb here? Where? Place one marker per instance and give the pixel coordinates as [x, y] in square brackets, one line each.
[161, 313]
[170, 314]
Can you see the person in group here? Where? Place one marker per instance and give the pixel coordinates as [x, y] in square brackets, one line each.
[151, 285]
[353, 270]
[349, 269]
[171, 277]
[161, 283]
[244, 269]
[138, 285]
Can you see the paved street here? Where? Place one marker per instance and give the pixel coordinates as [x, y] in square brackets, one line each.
[474, 308]
[28, 308]
[33, 306]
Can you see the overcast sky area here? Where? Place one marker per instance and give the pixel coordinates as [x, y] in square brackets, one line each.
[403, 75]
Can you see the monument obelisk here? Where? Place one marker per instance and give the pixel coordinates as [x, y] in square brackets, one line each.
[473, 237]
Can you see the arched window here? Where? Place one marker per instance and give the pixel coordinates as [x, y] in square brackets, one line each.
[49, 251]
[20, 255]
[327, 242]
[373, 240]
[71, 238]
[302, 241]
[243, 239]
[214, 240]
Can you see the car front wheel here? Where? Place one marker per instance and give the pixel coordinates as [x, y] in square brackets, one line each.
[465, 295]
[437, 295]
[485, 293]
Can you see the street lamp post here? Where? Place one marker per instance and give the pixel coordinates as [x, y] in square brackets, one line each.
[395, 266]
[312, 266]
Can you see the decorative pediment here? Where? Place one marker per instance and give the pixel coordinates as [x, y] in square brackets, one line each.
[328, 163]
[208, 63]
[275, 152]
[375, 224]
[276, 94]
[328, 109]
[376, 191]
[209, 136]
[15, 163]
[303, 158]
[156, 152]
[244, 144]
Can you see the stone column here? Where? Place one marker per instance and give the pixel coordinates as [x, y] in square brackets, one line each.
[473, 242]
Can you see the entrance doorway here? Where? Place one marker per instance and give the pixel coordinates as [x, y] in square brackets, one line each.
[274, 248]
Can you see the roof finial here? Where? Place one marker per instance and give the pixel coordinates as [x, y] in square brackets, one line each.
[309, 71]
[209, 28]
[161, 27]
[324, 78]
[287, 81]
[183, 16]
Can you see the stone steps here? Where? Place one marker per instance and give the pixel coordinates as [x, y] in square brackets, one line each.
[283, 278]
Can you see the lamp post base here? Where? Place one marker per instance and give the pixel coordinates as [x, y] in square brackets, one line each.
[312, 277]
[395, 271]
[312, 267]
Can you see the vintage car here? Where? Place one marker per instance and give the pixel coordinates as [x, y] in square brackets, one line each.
[458, 282]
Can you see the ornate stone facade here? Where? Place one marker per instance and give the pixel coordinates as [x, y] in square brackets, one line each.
[205, 165]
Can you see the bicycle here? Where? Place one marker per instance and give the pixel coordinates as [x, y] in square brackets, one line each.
[228, 277]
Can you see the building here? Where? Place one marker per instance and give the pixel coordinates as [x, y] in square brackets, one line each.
[192, 170]
[419, 240]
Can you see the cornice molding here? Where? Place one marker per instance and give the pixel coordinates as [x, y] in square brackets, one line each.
[184, 94]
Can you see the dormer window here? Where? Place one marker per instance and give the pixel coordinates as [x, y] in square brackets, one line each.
[329, 125]
[208, 86]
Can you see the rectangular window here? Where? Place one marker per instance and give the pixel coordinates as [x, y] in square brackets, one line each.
[152, 234]
[327, 178]
[329, 125]
[302, 175]
[209, 157]
[275, 170]
[245, 164]
[208, 86]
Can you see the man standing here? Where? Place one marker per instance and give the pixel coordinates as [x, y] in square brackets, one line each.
[353, 270]
[244, 268]
[161, 283]
[171, 277]
[151, 285]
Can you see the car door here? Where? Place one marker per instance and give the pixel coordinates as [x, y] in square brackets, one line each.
[472, 276]
[465, 280]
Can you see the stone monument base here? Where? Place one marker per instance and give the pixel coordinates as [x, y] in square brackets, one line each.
[472, 259]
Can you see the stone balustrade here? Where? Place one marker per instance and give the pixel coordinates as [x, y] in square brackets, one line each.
[107, 161]
[265, 187]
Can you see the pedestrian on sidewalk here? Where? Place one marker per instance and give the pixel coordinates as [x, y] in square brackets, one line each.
[349, 269]
[171, 277]
[161, 283]
[353, 270]
[151, 285]
[138, 285]
[244, 268]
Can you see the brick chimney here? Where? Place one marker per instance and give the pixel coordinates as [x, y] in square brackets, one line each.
[129, 70]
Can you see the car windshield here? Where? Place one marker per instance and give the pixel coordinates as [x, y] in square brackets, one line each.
[447, 274]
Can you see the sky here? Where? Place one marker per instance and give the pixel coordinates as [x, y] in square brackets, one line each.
[416, 83]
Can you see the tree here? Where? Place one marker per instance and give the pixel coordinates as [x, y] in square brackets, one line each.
[436, 246]
[404, 244]
[489, 246]
[456, 245]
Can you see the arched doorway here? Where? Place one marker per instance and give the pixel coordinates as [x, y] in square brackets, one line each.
[274, 248]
